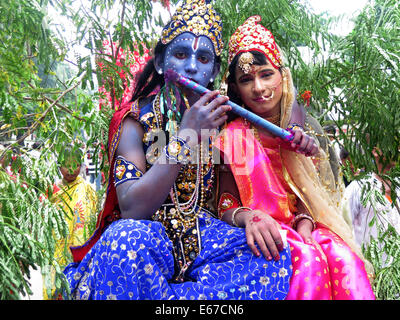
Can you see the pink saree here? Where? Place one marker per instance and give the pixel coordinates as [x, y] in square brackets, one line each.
[325, 269]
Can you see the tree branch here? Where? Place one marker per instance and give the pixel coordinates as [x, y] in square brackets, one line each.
[349, 74]
[76, 65]
[33, 127]
[62, 107]
[122, 30]
[59, 105]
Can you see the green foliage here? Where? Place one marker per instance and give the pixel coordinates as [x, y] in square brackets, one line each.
[131, 24]
[383, 251]
[361, 85]
[386, 285]
[28, 222]
[290, 21]
[33, 108]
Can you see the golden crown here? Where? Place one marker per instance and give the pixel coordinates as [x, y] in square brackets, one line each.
[197, 17]
[253, 36]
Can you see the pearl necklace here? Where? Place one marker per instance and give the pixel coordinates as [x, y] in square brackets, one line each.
[185, 210]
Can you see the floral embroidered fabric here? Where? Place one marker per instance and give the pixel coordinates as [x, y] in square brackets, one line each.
[134, 260]
[178, 255]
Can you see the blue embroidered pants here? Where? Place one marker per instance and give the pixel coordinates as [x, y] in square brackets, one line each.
[134, 259]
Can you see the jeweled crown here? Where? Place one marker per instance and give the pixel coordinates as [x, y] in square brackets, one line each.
[197, 17]
[253, 36]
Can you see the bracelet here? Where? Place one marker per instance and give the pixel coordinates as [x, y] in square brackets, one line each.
[236, 211]
[302, 216]
[177, 150]
[294, 126]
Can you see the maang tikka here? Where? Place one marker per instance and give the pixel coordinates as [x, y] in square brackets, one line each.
[245, 62]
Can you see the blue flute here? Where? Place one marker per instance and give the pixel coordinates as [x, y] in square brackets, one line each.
[171, 75]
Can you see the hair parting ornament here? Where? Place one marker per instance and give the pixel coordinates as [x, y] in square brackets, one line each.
[245, 61]
[251, 36]
[197, 17]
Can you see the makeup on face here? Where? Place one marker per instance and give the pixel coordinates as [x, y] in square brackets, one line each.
[260, 88]
[192, 57]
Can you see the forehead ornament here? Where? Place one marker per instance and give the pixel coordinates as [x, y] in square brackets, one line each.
[245, 62]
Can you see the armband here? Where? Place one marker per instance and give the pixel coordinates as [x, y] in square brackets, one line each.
[226, 202]
[125, 170]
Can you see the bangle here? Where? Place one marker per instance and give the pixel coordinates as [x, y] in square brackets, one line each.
[294, 126]
[177, 150]
[302, 216]
[236, 211]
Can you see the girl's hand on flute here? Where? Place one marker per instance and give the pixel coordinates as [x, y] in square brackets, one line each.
[303, 143]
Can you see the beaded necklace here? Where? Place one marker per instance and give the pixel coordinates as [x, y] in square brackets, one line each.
[188, 196]
[186, 215]
[185, 212]
[275, 119]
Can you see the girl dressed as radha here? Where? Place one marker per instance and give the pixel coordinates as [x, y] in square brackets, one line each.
[278, 189]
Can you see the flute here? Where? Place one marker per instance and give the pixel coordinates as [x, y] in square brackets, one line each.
[171, 75]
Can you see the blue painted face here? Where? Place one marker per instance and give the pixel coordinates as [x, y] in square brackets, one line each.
[192, 57]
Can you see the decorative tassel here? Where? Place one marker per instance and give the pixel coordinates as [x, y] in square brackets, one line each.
[177, 95]
[167, 97]
[171, 94]
[162, 104]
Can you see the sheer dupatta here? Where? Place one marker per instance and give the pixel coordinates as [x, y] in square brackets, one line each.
[310, 178]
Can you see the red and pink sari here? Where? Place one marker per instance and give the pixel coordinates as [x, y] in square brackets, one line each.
[325, 269]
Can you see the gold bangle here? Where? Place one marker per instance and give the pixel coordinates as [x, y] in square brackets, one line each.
[236, 211]
[295, 126]
[302, 216]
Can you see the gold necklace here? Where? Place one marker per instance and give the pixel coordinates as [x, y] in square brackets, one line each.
[185, 211]
[186, 102]
[186, 217]
[157, 111]
[275, 119]
[256, 134]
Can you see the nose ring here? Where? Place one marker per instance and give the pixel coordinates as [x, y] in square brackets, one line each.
[271, 96]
